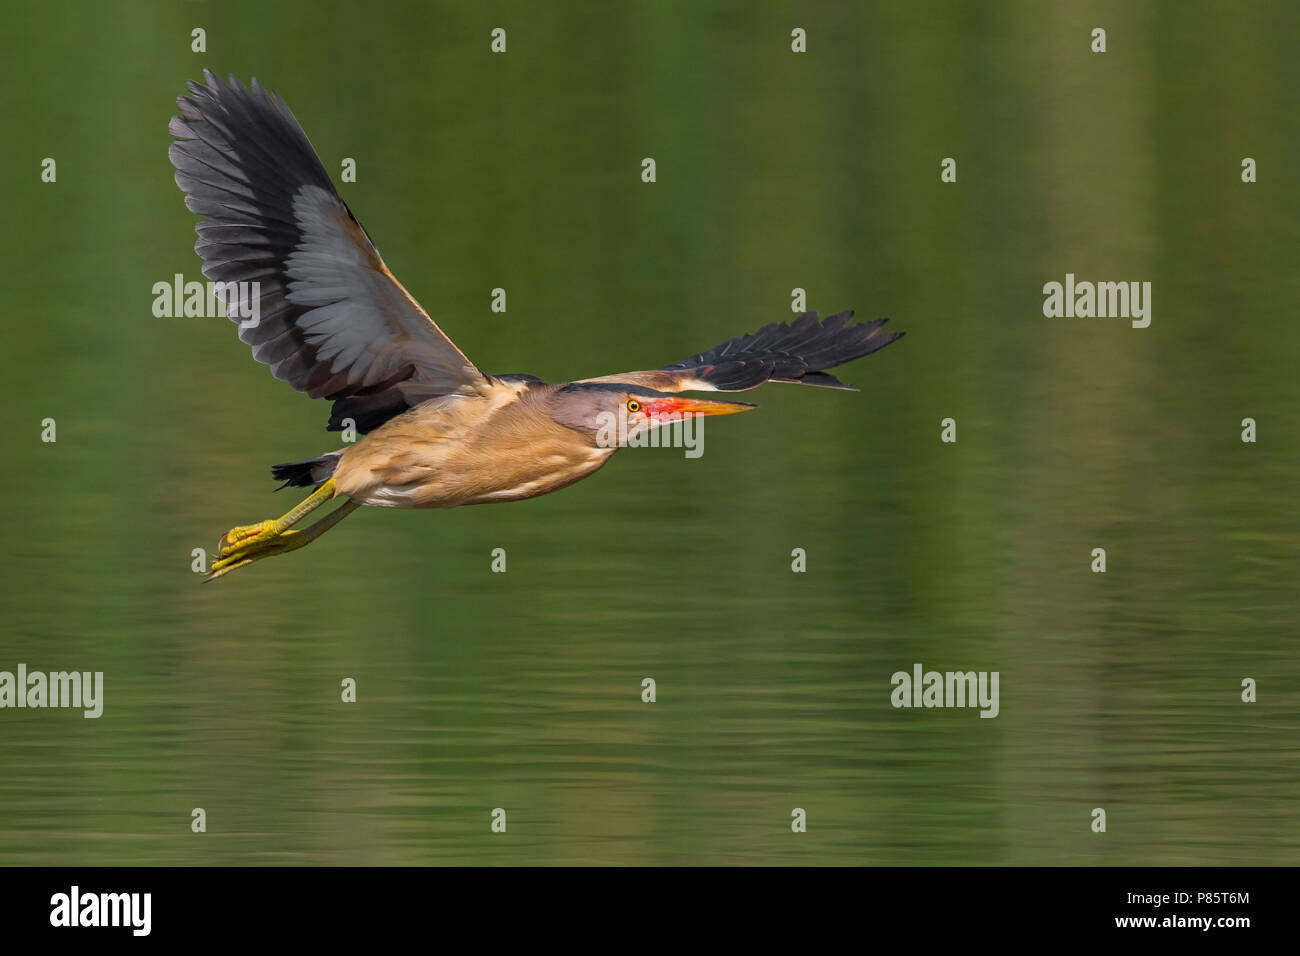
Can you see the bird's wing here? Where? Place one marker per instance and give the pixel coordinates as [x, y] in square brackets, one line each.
[333, 322]
[798, 351]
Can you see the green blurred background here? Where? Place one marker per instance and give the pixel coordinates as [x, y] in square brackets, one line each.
[776, 170]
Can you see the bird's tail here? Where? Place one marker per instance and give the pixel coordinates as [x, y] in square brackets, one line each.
[308, 473]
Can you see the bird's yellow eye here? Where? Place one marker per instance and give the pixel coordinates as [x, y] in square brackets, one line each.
[633, 405]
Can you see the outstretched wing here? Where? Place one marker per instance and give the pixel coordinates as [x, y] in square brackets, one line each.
[798, 351]
[333, 321]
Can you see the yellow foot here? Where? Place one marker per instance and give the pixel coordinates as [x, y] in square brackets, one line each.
[249, 543]
[237, 537]
[225, 566]
[254, 549]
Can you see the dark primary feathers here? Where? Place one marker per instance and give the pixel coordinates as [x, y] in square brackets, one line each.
[798, 351]
[334, 321]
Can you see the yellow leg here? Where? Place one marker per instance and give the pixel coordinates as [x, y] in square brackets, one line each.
[269, 538]
[236, 539]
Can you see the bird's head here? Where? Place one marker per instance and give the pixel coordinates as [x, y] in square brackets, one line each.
[611, 413]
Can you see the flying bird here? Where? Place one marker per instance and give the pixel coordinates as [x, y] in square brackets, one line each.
[333, 322]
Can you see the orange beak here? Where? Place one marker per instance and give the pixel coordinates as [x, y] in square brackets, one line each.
[670, 409]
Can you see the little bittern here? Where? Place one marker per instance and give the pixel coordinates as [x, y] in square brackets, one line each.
[333, 322]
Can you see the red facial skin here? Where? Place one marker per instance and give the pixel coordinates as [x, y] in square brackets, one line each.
[674, 409]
